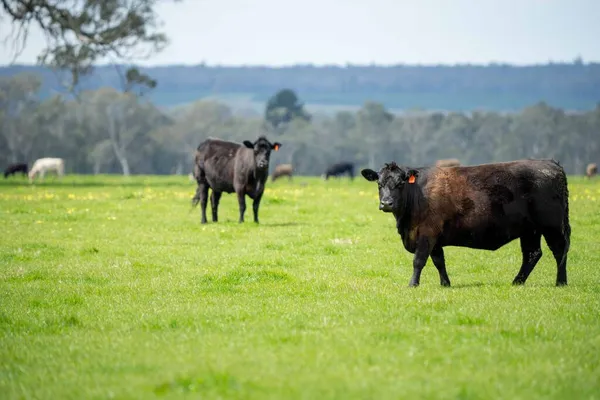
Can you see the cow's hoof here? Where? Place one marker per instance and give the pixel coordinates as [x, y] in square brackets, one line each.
[561, 283]
[445, 284]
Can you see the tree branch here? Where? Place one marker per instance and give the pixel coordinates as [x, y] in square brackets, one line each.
[79, 33]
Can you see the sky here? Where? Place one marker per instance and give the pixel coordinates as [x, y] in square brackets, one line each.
[277, 33]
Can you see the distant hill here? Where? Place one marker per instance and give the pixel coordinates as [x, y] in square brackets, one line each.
[498, 87]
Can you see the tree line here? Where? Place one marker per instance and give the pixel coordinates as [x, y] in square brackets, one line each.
[572, 86]
[111, 131]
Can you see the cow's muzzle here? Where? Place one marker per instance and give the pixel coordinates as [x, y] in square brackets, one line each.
[385, 206]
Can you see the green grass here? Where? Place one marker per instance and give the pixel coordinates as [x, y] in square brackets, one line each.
[111, 288]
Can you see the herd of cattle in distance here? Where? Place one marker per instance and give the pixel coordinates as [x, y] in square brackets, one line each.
[479, 207]
[39, 167]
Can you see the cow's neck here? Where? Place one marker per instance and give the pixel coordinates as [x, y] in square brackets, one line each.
[406, 224]
[261, 174]
[414, 208]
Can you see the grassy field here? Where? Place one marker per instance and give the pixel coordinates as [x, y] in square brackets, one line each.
[111, 288]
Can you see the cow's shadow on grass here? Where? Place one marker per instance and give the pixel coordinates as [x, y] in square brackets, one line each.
[468, 285]
[280, 224]
[231, 222]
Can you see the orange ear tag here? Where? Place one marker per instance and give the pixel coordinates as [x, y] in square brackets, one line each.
[276, 147]
[411, 179]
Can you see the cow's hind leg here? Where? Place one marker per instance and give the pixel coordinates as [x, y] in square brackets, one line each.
[437, 256]
[559, 244]
[201, 197]
[532, 252]
[215, 197]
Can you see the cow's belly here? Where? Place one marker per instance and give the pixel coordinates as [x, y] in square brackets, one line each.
[221, 186]
[490, 237]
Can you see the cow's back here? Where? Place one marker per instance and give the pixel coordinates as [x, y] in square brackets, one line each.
[452, 162]
[215, 160]
[524, 177]
[340, 167]
[281, 170]
[47, 162]
[537, 182]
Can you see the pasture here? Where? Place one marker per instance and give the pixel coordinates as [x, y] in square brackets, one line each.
[111, 288]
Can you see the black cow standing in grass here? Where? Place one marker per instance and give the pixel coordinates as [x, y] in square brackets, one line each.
[339, 169]
[225, 166]
[480, 207]
[14, 168]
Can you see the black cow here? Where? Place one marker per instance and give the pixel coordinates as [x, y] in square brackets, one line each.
[225, 166]
[480, 207]
[14, 168]
[339, 169]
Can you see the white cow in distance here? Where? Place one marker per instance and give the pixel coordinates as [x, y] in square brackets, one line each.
[41, 165]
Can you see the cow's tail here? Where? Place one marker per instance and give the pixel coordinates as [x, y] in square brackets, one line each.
[196, 198]
[196, 173]
[566, 225]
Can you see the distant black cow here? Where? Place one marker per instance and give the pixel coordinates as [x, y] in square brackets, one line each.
[339, 169]
[229, 167]
[14, 168]
[480, 207]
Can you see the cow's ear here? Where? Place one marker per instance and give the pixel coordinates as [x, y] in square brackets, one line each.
[248, 144]
[411, 175]
[369, 174]
[276, 146]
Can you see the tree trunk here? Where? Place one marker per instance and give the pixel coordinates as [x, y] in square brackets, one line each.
[114, 141]
[372, 159]
[179, 168]
[124, 165]
[120, 154]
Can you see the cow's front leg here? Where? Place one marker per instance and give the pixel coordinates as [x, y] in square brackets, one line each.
[437, 256]
[420, 259]
[242, 202]
[255, 206]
